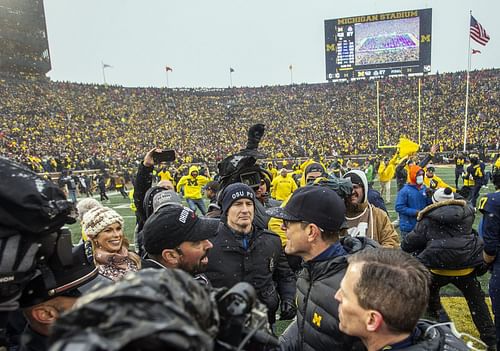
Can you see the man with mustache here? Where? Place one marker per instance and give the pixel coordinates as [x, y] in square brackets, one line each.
[174, 237]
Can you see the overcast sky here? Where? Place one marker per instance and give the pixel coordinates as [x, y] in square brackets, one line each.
[201, 39]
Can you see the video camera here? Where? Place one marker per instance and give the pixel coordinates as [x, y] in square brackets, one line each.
[243, 320]
[33, 211]
[242, 167]
[164, 309]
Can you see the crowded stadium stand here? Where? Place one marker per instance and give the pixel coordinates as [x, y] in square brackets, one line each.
[78, 124]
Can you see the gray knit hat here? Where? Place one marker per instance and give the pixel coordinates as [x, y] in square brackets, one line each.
[98, 218]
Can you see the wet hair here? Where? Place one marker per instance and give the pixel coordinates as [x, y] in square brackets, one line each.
[393, 283]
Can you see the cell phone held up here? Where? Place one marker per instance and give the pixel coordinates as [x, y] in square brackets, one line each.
[164, 156]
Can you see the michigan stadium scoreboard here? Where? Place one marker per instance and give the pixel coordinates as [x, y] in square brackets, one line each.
[379, 45]
[23, 37]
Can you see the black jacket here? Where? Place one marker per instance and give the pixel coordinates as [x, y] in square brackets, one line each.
[150, 263]
[263, 264]
[33, 341]
[439, 338]
[317, 324]
[443, 237]
[143, 181]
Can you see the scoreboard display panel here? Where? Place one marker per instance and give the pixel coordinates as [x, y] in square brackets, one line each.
[384, 44]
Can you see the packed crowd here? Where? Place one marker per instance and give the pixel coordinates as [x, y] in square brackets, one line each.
[323, 255]
[69, 125]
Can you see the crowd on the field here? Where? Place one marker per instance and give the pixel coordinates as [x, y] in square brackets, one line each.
[56, 125]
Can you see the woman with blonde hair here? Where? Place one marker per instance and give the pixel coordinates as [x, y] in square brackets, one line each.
[104, 228]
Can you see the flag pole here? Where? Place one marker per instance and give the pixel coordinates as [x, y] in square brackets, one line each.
[291, 74]
[166, 74]
[378, 115]
[230, 77]
[467, 89]
[419, 109]
[103, 74]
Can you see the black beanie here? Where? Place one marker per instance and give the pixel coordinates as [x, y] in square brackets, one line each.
[234, 192]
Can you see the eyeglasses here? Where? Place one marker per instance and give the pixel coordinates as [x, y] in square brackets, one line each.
[287, 223]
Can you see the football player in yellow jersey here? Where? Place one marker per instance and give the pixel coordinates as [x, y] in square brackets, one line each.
[434, 182]
[459, 167]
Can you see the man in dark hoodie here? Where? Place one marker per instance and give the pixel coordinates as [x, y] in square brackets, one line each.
[313, 234]
[444, 241]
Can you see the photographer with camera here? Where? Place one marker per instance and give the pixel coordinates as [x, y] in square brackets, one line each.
[32, 243]
[42, 307]
[164, 309]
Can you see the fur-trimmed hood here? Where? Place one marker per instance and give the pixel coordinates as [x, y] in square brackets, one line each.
[449, 211]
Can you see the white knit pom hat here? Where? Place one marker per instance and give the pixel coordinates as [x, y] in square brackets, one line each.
[98, 218]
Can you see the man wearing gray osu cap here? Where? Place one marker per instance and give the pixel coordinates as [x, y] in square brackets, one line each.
[312, 220]
[174, 237]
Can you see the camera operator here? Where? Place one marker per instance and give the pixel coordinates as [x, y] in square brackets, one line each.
[42, 306]
[32, 210]
[151, 309]
[164, 309]
[244, 252]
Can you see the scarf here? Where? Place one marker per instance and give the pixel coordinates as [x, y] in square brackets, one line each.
[118, 259]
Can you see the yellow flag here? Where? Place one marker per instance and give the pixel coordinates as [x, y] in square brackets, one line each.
[407, 147]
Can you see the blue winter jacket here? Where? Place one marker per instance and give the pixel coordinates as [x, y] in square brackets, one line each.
[410, 200]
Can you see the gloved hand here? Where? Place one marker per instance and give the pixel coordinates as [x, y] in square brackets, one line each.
[17, 261]
[255, 133]
[288, 310]
[482, 269]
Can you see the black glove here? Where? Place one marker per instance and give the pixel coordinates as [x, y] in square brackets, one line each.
[17, 259]
[288, 310]
[483, 268]
[255, 133]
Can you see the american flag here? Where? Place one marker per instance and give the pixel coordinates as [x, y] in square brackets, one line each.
[477, 32]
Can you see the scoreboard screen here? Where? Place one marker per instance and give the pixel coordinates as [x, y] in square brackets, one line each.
[385, 44]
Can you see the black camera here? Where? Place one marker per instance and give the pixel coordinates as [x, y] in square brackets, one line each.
[243, 320]
[252, 179]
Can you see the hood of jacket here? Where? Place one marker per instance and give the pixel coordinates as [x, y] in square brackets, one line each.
[412, 175]
[361, 175]
[447, 212]
[193, 169]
